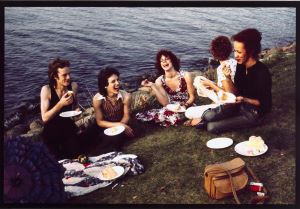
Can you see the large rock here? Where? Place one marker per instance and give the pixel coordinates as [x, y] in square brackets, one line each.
[37, 131]
[85, 122]
[141, 99]
[33, 136]
[37, 124]
[17, 130]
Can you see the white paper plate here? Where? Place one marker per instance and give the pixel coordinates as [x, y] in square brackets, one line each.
[219, 143]
[242, 148]
[172, 107]
[70, 114]
[114, 130]
[231, 98]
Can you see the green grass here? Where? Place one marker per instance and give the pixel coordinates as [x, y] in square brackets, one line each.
[175, 157]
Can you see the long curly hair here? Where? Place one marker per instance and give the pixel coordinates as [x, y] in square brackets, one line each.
[175, 61]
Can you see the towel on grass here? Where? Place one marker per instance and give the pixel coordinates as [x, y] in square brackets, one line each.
[77, 180]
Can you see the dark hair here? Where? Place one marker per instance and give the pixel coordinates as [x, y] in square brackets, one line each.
[221, 48]
[175, 61]
[103, 78]
[53, 69]
[251, 38]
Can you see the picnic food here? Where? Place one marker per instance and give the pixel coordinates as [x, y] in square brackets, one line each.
[177, 107]
[69, 93]
[256, 143]
[109, 172]
[224, 97]
[114, 130]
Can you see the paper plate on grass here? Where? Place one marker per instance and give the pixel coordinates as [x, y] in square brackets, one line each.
[175, 108]
[219, 143]
[243, 148]
[114, 130]
[68, 114]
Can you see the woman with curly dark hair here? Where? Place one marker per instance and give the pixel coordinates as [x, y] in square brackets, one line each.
[173, 86]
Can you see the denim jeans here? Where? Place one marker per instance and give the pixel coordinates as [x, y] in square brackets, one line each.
[230, 117]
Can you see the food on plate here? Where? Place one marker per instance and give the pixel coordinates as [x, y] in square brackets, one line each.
[177, 107]
[256, 143]
[109, 172]
[113, 130]
[224, 96]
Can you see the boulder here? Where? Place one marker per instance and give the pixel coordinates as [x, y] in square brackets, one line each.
[37, 124]
[37, 131]
[17, 130]
[141, 99]
[290, 48]
[85, 122]
[32, 136]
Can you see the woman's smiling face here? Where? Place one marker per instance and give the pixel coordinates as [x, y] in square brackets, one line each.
[166, 63]
[113, 86]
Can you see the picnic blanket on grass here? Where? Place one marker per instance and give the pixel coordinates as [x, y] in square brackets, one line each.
[78, 182]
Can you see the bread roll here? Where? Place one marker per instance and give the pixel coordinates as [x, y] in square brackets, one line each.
[224, 97]
[109, 172]
[70, 93]
[177, 107]
[257, 143]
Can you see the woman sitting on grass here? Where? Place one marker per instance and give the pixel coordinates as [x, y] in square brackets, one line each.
[172, 86]
[112, 108]
[221, 49]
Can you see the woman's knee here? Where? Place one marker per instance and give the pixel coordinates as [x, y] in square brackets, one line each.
[210, 114]
[213, 128]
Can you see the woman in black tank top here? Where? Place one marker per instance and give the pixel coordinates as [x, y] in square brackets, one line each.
[60, 133]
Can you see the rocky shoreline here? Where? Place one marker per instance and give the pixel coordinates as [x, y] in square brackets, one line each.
[142, 98]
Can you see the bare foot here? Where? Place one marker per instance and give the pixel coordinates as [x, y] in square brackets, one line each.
[192, 122]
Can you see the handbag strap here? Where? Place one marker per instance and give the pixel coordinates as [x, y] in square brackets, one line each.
[217, 168]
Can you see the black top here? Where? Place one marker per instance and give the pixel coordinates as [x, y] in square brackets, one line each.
[257, 84]
[58, 125]
[55, 99]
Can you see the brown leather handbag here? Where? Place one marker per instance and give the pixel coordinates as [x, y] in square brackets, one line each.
[225, 179]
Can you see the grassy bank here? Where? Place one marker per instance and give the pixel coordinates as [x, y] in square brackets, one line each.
[175, 157]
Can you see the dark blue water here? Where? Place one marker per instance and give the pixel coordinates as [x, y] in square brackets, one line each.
[126, 38]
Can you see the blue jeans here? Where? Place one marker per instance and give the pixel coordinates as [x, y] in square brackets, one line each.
[231, 116]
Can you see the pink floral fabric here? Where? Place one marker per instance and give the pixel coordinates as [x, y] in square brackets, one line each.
[163, 116]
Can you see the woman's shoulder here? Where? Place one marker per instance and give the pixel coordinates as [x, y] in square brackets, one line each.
[46, 90]
[186, 74]
[125, 95]
[160, 79]
[98, 97]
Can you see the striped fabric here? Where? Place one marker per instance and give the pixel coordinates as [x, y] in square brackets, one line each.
[111, 112]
